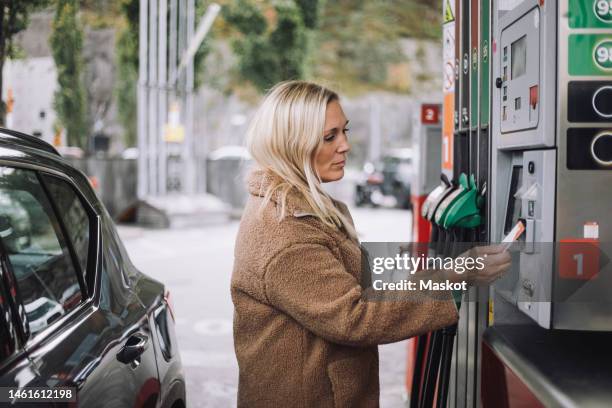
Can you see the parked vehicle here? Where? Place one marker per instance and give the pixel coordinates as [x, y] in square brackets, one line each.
[42, 312]
[387, 182]
[74, 311]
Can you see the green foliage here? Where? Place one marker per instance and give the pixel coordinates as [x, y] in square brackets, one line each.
[14, 17]
[418, 18]
[360, 44]
[349, 42]
[358, 41]
[245, 17]
[310, 12]
[270, 53]
[127, 71]
[199, 58]
[70, 98]
[98, 14]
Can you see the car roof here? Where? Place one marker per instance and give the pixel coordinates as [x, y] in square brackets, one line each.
[36, 303]
[24, 140]
[33, 151]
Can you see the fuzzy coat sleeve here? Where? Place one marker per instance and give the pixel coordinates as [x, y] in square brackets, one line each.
[310, 284]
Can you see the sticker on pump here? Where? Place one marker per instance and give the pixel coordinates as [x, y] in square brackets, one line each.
[591, 230]
[579, 258]
[513, 235]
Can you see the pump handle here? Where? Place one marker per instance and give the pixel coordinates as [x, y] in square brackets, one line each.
[445, 180]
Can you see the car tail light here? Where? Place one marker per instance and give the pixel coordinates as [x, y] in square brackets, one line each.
[93, 180]
[168, 301]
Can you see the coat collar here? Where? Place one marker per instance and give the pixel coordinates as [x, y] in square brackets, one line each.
[258, 182]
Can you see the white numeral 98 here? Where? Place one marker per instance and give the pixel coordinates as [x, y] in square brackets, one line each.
[604, 55]
[604, 7]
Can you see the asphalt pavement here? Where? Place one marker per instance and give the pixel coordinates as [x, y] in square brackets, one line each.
[196, 265]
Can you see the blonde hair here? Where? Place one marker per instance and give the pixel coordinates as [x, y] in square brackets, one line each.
[284, 137]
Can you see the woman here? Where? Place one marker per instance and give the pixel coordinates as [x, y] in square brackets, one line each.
[304, 335]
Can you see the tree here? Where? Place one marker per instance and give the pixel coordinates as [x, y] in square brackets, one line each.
[70, 98]
[127, 79]
[274, 45]
[13, 19]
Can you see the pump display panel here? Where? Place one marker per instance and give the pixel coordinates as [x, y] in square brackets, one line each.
[520, 73]
[518, 56]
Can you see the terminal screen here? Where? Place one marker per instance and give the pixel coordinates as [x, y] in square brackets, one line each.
[513, 212]
[519, 57]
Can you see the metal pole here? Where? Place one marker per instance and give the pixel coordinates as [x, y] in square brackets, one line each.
[172, 61]
[196, 39]
[163, 96]
[153, 93]
[374, 153]
[189, 136]
[142, 101]
[182, 29]
[172, 47]
[180, 89]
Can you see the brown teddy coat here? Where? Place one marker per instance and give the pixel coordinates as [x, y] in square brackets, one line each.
[304, 336]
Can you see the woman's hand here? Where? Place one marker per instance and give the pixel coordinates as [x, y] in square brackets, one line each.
[493, 262]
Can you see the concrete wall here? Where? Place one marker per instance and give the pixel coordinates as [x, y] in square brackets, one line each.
[226, 179]
[116, 181]
[32, 83]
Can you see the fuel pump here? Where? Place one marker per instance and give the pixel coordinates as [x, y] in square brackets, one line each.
[551, 157]
[427, 144]
[466, 143]
[463, 218]
[551, 151]
[530, 104]
[425, 354]
[457, 216]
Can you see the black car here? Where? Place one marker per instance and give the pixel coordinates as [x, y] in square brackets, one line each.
[386, 183]
[76, 317]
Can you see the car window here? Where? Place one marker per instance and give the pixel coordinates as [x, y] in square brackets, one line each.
[36, 249]
[74, 216]
[8, 331]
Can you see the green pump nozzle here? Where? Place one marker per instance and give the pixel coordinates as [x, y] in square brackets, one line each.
[465, 211]
[447, 204]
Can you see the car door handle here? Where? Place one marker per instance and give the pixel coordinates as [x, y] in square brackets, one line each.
[133, 348]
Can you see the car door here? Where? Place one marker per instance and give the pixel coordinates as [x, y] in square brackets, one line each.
[84, 330]
[16, 369]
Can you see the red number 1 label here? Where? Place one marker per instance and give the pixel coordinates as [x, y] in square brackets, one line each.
[578, 258]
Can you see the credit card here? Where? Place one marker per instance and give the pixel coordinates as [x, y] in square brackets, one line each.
[513, 235]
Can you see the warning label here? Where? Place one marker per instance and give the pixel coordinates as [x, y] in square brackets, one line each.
[449, 13]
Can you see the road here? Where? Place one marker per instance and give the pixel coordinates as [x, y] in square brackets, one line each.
[196, 264]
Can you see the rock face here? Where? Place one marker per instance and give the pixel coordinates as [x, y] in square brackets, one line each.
[99, 77]
[34, 41]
